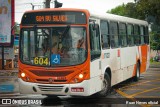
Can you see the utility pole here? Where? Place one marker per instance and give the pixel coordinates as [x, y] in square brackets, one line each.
[47, 3]
[32, 6]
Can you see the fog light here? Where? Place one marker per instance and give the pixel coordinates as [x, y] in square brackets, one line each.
[80, 76]
[75, 80]
[27, 78]
[23, 74]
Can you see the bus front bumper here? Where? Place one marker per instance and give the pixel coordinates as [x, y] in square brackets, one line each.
[78, 89]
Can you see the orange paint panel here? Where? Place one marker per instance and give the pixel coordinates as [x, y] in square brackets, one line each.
[60, 72]
[144, 50]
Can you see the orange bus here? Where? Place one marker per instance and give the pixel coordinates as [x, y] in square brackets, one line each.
[65, 51]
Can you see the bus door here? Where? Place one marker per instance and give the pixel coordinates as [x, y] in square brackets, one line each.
[95, 60]
[95, 50]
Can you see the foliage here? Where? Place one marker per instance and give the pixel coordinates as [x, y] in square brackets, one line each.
[154, 63]
[142, 9]
[155, 40]
[149, 8]
[119, 10]
[128, 10]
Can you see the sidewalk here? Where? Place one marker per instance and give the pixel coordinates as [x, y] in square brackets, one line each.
[9, 81]
[9, 72]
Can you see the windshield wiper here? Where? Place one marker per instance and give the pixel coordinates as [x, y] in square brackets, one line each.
[66, 30]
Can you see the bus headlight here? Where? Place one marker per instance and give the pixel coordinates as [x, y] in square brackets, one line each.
[23, 74]
[80, 77]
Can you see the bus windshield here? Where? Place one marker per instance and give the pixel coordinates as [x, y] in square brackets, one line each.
[53, 46]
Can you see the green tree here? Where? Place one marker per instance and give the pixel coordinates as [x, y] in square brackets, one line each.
[140, 10]
[119, 10]
[128, 10]
[155, 41]
[147, 8]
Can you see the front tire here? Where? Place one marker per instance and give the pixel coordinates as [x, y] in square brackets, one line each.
[106, 86]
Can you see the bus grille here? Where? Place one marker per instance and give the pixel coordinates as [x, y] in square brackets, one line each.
[51, 73]
[47, 82]
[50, 88]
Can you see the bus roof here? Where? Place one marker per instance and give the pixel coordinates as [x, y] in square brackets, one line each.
[112, 17]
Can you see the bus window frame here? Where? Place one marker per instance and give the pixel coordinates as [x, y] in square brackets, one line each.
[137, 43]
[131, 35]
[108, 35]
[122, 34]
[142, 35]
[146, 35]
[96, 29]
[113, 47]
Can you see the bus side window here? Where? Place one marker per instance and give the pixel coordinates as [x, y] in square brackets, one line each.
[94, 41]
[105, 34]
[136, 35]
[114, 34]
[146, 37]
[122, 34]
[130, 35]
[142, 30]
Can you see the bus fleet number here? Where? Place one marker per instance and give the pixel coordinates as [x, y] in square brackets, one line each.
[41, 61]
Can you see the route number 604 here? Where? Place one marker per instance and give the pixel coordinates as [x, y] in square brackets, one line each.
[41, 61]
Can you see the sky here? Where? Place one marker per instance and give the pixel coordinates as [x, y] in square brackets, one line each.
[97, 5]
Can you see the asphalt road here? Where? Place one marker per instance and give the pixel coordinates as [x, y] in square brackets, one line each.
[145, 92]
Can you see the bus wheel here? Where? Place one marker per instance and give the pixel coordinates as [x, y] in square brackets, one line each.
[106, 86]
[137, 77]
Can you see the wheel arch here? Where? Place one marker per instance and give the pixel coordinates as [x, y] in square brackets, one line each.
[108, 71]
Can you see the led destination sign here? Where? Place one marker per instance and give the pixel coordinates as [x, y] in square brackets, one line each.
[54, 18]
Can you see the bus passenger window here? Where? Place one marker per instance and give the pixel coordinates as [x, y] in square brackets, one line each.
[122, 34]
[136, 35]
[105, 34]
[114, 35]
[146, 37]
[142, 30]
[130, 35]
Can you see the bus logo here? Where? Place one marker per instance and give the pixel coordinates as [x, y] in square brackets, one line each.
[6, 101]
[50, 80]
